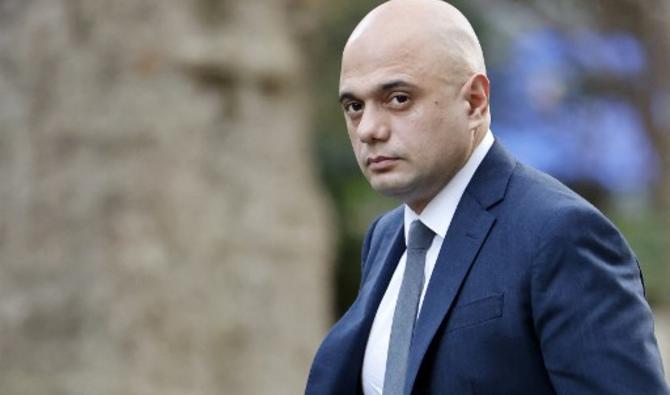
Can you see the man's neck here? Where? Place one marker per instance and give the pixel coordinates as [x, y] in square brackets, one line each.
[439, 210]
[419, 205]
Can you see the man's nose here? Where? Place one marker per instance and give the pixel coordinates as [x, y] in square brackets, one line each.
[373, 126]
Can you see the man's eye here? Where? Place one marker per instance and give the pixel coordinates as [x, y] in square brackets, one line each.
[399, 100]
[353, 107]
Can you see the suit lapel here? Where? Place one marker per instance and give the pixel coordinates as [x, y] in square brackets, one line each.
[392, 246]
[469, 229]
[471, 225]
[377, 281]
[337, 366]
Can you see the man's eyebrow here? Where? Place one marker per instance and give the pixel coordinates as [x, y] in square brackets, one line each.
[396, 84]
[387, 86]
[347, 96]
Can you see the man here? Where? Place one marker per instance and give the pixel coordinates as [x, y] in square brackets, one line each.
[492, 278]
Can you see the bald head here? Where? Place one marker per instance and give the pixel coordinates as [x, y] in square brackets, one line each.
[430, 26]
[414, 93]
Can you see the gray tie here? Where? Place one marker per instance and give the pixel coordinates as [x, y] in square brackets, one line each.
[420, 238]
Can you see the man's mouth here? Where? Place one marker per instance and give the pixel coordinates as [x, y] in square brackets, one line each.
[381, 162]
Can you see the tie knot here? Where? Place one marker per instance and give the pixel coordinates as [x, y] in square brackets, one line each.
[420, 236]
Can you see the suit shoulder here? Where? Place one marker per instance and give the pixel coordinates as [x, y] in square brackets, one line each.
[381, 227]
[550, 207]
[391, 218]
[382, 224]
[541, 193]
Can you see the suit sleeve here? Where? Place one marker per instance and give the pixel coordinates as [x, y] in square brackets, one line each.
[592, 321]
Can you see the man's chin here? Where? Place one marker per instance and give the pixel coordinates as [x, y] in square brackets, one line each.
[406, 191]
[394, 190]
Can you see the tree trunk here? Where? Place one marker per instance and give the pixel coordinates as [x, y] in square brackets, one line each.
[161, 230]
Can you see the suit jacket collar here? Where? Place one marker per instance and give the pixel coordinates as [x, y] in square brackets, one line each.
[489, 184]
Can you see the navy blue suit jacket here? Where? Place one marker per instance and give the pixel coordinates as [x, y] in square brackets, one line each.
[534, 292]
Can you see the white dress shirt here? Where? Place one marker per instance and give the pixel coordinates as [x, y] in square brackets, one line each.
[437, 215]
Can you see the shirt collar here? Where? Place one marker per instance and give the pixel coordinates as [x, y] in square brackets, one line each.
[437, 215]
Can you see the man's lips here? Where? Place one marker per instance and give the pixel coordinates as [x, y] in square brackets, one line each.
[381, 162]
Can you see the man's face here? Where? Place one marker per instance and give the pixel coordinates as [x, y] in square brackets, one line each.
[407, 118]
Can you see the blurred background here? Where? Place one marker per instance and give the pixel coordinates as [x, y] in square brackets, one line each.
[181, 212]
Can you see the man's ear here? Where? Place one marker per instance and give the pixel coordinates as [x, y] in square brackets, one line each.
[477, 96]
